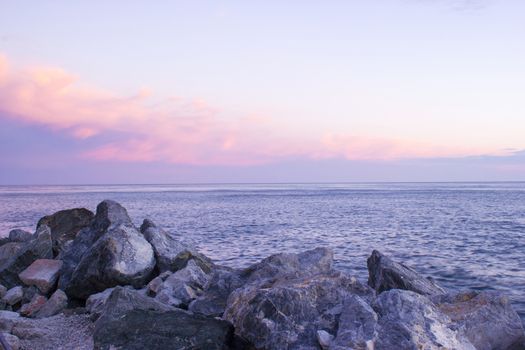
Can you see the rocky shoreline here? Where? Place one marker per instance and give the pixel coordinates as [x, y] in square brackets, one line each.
[88, 280]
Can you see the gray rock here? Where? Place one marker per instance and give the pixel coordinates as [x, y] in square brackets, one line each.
[224, 281]
[96, 303]
[8, 250]
[183, 286]
[287, 313]
[8, 319]
[31, 308]
[325, 339]
[385, 274]
[13, 295]
[154, 286]
[3, 290]
[18, 235]
[152, 329]
[357, 327]
[65, 225]
[38, 248]
[12, 340]
[29, 293]
[56, 304]
[488, 319]
[408, 320]
[109, 215]
[171, 254]
[120, 257]
[42, 273]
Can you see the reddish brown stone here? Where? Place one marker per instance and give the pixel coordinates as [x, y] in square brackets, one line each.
[43, 273]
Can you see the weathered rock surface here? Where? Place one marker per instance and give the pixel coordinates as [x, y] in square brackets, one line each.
[42, 273]
[8, 250]
[96, 303]
[408, 320]
[12, 340]
[56, 304]
[183, 286]
[139, 329]
[18, 235]
[286, 314]
[171, 254]
[385, 274]
[224, 281]
[14, 295]
[31, 308]
[65, 225]
[487, 318]
[109, 215]
[38, 248]
[112, 252]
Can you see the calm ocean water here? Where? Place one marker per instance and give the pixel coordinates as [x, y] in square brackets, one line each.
[465, 235]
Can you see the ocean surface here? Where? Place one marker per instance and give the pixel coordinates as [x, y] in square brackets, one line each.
[465, 235]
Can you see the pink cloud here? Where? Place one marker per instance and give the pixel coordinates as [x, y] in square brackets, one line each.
[174, 130]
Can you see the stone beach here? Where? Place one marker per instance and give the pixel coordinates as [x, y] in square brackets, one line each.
[88, 280]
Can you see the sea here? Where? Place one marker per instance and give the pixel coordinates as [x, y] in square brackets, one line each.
[464, 235]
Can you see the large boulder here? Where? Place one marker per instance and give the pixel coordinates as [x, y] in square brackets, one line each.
[171, 254]
[65, 225]
[287, 313]
[131, 320]
[110, 252]
[120, 257]
[407, 320]
[42, 273]
[110, 215]
[385, 274]
[38, 248]
[487, 318]
[224, 281]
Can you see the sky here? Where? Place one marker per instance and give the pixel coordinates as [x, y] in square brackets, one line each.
[261, 91]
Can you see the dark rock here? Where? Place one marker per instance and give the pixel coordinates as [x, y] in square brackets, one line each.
[38, 248]
[18, 235]
[224, 280]
[357, 327]
[14, 295]
[150, 329]
[408, 320]
[287, 313]
[42, 273]
[31, 308]
[120, 257]
[4, 240]
[56, 304]
[3, 290]
[110, 252]
[487, 318]
[65, 225]
[8, 250]
[29, 293]
[171, 254]
[96, 303]
[109, 215]
[385, 274]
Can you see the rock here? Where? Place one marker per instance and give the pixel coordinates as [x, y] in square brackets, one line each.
[325, 339]
[171, 254]
[3, 290]
[109, 215]
[31, 308]
[120, 257]
[408, 320]
[43, 273]
[65, 225]
[357, 327]
[183, 286]
[487, 318]
[223, 280]
[154, 286]
[14, 295]
[29, 293]
[8, 319]
[286, 314]
[385, 274]
[96, 302]
[56, 304]
[12, 340]
[18, 235]
[8, 250]
[38, 248]
[152, 329]
[110, 253]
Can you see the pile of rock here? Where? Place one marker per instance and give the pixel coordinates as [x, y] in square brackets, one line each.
[85, 281]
